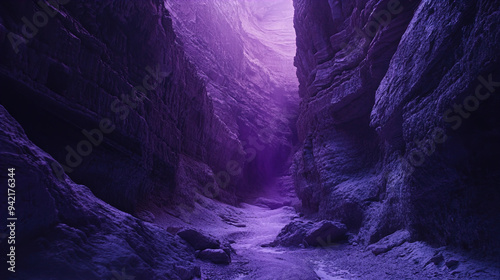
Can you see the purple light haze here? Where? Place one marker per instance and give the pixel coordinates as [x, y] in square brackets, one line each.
[271, 23]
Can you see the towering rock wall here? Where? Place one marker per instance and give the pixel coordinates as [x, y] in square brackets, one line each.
[397, 120]
[106, 89]
[244, 50]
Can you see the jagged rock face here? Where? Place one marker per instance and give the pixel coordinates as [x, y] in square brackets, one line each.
[64, 232]
[78, 73]
[243, 50]
[384, 146]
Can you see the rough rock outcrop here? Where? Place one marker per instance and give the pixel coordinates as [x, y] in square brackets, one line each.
[64, 232]
[398, 119]
[322, 233]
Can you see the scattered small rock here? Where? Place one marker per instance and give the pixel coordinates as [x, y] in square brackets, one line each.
[217, 256]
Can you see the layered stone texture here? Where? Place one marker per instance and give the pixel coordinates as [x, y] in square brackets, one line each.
[64, 232]
[394, 134]
[116, 70]
[244, 50]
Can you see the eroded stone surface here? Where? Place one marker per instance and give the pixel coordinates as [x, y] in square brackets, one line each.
[383, 148]
[63, 224]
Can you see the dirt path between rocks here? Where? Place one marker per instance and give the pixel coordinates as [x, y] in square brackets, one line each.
[248, 227]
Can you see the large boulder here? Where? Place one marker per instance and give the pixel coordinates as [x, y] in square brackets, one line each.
[291, 235]
[218, 256]
[198, 240]
[323, 233]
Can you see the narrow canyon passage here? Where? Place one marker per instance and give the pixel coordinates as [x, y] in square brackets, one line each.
[249, 139]
[266, 229]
